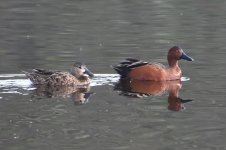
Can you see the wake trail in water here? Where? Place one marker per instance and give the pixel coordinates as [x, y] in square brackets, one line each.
[10, 83]
[12, 80]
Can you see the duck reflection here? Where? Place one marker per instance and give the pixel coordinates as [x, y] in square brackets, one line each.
[138, 89]
[79, 95]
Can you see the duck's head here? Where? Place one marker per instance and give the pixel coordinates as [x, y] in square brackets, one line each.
[176, 53]
[79, 69]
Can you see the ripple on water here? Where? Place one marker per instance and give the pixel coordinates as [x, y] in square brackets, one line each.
[104, 79]
[185, 78]
[99, 79]
[15, 83]
[11, 75]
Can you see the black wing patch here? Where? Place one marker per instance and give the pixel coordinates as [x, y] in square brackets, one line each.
[124, 67]
[43, 71]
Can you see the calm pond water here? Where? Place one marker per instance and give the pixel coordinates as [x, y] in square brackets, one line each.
[53, 34]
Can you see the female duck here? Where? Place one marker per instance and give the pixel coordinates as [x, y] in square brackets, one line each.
[140, 70]
[77, 76]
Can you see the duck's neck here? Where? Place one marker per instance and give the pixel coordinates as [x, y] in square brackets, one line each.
[83, 78]
[173, 63]
[174, 70]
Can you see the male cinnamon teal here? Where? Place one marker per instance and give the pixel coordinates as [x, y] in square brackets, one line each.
[78, 75]
[141, 70]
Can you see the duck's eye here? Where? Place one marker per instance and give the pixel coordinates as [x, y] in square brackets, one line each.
[79, 66]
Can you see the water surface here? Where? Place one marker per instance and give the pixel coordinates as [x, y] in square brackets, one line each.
[54, 34]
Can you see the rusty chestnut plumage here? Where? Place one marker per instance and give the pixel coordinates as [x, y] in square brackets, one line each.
[141, 70]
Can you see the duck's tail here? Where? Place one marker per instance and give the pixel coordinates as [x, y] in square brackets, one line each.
[124, 67]
[35, 77]
[27, 74]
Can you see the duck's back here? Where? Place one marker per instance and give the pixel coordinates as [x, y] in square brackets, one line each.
[52, 78]
[39, 76]
[61, 78]
[141, 70]
[153, 72]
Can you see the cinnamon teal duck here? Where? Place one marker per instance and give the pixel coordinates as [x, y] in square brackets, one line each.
[141, 70]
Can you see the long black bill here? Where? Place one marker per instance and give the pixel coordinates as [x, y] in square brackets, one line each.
[186, 100]
[186, 57]
[88, 72]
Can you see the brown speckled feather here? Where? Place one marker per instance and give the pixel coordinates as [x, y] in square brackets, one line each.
[65, 78]
[76, 77]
